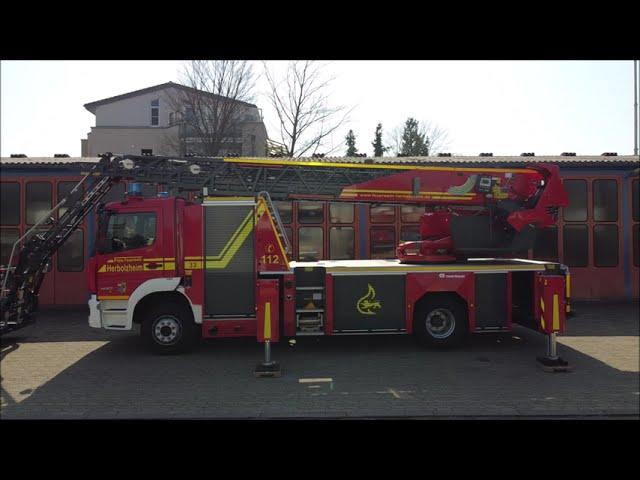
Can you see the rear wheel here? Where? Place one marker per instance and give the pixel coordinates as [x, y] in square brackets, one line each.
[441, 321]
[169, 329]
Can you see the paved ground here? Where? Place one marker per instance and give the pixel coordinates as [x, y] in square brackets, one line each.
[61, 368]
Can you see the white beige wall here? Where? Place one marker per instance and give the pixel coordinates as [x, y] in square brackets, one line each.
[124, 126]
[259, 148]
[135, 111]
[130, 140]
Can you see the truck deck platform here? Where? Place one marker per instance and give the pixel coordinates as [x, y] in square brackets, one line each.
[493, 265]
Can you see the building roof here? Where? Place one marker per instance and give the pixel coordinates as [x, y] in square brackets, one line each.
[92, 105]
[513, 161]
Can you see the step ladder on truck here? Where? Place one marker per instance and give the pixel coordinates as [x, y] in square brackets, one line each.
[218, 266]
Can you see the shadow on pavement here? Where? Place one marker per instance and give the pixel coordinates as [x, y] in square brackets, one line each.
[368, 376]
[604, 319]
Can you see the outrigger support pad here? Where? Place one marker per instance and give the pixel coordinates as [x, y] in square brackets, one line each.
[268, 368]
[552, 362]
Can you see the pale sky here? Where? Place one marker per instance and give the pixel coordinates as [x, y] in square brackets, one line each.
[504, 107]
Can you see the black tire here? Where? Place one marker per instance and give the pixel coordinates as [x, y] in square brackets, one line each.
[441, 322]
[169, 329]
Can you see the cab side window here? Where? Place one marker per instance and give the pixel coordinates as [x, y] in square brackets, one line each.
[127, 231]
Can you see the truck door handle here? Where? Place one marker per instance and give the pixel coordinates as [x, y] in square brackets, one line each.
[153, 266]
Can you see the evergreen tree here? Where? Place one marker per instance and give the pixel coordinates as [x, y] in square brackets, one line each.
[351, 144]
[414, 143]
[378, 147]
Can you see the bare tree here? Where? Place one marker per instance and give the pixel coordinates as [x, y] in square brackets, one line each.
[435, 138]
[301, 103]
[210, 110]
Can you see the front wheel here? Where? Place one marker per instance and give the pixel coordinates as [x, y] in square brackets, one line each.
[441, 322]
[169, 329]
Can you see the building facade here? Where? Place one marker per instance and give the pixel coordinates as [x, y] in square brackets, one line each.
[597, 235]
[156, 121]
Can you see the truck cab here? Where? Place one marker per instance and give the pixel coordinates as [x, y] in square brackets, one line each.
[138, 257]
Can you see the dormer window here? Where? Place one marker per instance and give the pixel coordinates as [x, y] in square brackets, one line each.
[155, 112]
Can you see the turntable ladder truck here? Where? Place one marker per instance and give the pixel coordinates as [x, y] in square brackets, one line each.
[218, 266]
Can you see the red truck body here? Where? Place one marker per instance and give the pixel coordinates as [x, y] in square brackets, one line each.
[223, 265]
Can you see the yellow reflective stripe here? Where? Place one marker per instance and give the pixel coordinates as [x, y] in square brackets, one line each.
[404, 192]
[193, 264]
[227, 199]
[265, 161]
[114, 297]
[542, 322]
[233, 248]
[267, 321]
[556, 313]
[241, 228]
[262, 207]
[427, 197]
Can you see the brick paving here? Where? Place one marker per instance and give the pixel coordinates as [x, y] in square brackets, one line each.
[61, 368]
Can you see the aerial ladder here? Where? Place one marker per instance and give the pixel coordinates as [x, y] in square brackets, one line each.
[469, 210]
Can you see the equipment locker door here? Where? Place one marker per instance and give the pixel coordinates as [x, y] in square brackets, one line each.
[229, 275]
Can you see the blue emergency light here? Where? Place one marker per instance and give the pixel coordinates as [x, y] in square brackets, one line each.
[135, 189]
[163, 194]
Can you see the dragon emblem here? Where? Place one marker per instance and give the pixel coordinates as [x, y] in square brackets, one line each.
[367, 305]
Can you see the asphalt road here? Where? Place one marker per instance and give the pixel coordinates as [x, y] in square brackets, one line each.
[61, 368]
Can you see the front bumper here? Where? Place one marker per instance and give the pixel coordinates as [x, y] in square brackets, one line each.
[108, 314]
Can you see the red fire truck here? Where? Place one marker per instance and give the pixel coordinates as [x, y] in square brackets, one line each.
[218, 266]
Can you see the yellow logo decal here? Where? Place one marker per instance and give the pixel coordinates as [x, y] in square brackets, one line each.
[368, 304]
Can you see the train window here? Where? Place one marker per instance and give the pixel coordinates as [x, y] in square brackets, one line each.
[546, 244]
[383, 242]
[635, 201]
[310, 241]
[605, 245]
[636, 247]
[411, 213]
[410, 233]
[341, 243]
[577, 193]
[116, 194]
[127, 231]
[71, 253]
[284, 210]
[64, 189]
[576, 245]
[605, 200]
[341, 212]
[310, 212]
[38, 202]
[10, 196]
[8, 236]
[383, 214]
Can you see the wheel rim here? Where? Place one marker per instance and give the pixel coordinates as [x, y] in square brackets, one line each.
[166, 330]
[440, 323]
